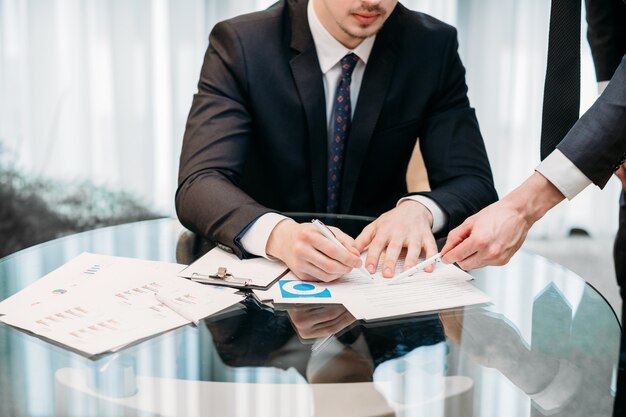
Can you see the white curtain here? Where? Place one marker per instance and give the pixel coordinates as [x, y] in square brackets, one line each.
[504, 48]
[100, 90]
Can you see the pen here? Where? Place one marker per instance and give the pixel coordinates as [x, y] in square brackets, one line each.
[172, 306]
[414, 269]
[331, 236]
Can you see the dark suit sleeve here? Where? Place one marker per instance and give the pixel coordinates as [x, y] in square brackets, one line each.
[606, 35]
[454, 152]
[209, 200]
[596, 144]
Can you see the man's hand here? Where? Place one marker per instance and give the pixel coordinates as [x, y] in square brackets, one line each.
[409, 226]
[490, 237]
[494, 234]
[309, 254]
[313, 322]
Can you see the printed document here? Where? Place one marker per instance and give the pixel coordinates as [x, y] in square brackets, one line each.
[97, 303]
[446, 287]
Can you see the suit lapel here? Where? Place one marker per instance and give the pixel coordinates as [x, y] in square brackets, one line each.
[376, 81]
[309, 83]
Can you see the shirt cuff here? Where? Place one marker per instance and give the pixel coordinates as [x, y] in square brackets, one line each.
[440, 217]
[565, 176]
[255, 239]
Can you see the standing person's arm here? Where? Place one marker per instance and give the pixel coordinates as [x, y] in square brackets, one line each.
[596, 145]
[492, 236]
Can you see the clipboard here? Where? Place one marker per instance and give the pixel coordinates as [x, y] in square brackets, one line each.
[218, 267]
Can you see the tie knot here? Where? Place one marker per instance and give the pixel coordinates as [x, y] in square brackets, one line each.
[348, 63]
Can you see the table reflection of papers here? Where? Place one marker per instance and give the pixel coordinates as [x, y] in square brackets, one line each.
[446, 287]
[112, 305]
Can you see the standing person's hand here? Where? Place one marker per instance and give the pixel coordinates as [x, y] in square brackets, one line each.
[490, 237]
[494, 234]
[406, 227]
[309, 254]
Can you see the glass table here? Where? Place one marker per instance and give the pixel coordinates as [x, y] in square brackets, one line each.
[547, 345]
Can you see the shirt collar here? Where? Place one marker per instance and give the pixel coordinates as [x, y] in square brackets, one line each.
[330, 50]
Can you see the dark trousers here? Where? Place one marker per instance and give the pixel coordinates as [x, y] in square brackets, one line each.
[619, 256]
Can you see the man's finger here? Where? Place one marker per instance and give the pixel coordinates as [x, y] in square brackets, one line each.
[310, 272]
[461, 252]
[471, 262]
[391, 257]
[430, 249]
[346, 240]
[333, 251]
[455, 237]
[373, 255]
[365, 237]
[328, 264]
[412, 254]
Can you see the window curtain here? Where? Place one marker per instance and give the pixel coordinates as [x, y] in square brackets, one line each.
[101, 89]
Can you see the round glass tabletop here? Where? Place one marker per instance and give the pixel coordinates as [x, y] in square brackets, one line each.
[548, 344]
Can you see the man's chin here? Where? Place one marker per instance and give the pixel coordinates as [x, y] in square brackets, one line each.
[361, 32]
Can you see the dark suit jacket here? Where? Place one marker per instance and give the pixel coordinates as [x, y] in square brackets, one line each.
[596, 144]
[256, 137]
[606, 35]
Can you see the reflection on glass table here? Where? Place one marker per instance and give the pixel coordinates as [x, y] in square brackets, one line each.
[548, 345]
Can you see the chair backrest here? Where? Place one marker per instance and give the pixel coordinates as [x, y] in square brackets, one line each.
[416, 174]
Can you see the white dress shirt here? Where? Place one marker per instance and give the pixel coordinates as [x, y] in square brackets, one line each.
[565, 176]
[329, 52]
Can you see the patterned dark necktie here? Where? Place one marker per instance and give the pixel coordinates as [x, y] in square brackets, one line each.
[342, 119]
[561, 96]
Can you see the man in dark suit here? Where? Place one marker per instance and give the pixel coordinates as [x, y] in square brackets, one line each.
[316, 107]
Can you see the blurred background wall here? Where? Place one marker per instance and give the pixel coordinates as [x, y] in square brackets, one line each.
[100, 90]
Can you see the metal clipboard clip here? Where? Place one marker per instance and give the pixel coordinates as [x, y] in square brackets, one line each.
[221, 277]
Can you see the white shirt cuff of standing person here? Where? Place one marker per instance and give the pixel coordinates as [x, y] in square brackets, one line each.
[255, 239]
[565, 176]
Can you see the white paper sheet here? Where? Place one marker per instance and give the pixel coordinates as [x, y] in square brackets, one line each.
[446, 287]
[112, 305]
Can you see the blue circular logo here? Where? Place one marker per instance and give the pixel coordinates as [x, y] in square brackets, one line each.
[303, 287]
